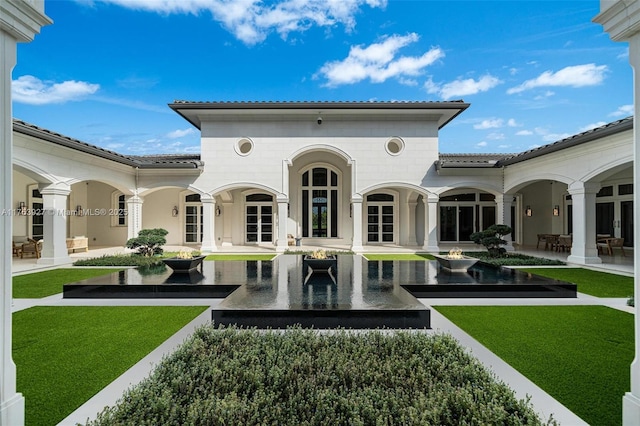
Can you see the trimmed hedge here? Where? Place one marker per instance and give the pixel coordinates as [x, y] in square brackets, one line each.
[231, 376]
[512, 259]
[120, 260]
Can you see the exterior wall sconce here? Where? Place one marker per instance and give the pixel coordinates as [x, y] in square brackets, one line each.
[556, 210]
[174, 211]
[218, 211]
[528, 211]
[79, 211]
[22, 208]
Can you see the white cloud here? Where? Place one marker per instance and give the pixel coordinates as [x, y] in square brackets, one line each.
[591, 126]
[524, 133]
[495, 136]
[573, 76]
[462, 87]
[31, 90]
[251, 21]
[545, 95]
[550, 137]
[492, 123]
[513, 123]
[481, 144]
[623, 111]
[377, 62]
[180, 133]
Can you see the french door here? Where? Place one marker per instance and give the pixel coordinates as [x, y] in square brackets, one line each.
[380, 226]
[259, 223]
[193, 223]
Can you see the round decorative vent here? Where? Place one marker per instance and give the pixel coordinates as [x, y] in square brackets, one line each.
[244, 146]
[394, 146]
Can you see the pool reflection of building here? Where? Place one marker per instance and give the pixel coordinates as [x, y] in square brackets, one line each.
[357, 293]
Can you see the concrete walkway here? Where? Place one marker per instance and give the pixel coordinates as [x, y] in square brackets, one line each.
[544, 404]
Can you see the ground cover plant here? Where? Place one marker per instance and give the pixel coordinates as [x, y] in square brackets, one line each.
[47, 283]
[595, 283]
[240, 257]
[232, 376]
[120, 260]
[399, 256]
[512, 259]
[580, 355]
[65, 355]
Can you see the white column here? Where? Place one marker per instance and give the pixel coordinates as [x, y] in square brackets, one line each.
[631, 400]
[19, 22]
[54, 247]
[283, 207]
[411, 208]
[622, 21]
[356, 218]
[430, 243]
[226, 224]
[208, 224]
[503, 216]
[583, 247]
[134, 216]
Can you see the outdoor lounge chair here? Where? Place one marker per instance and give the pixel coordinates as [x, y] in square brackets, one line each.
[31, 247]
[610, 244]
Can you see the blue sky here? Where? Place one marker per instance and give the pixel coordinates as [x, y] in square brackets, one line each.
[533, 71]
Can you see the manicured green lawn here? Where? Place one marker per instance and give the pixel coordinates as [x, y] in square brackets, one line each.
[578, 354]
[46, 283]
[595, 283]
[240, 257]
[399, 256]
[65, 355]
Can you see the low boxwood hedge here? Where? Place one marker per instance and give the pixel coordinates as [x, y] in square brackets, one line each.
[513, 259]
[120, 260]
[231, 376]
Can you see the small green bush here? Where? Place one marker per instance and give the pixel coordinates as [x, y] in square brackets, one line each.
[149, 242]
[233, 376]
[492, 239]
[120, 260]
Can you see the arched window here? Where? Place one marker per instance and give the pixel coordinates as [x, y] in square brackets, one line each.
[320, 195]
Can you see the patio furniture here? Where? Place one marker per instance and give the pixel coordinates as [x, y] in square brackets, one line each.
[77, 243]
[16, 249]
[609, 244]
[31, 247]
[551, 241]
[564, 243]
[541, 238]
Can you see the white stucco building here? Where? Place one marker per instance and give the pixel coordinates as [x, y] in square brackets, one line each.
[349, 174]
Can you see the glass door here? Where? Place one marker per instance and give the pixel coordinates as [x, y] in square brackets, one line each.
[259, 223]
[626, 222]
[380, 225]
[193, 223]
[319, 208]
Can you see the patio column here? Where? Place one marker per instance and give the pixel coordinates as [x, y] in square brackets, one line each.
[19, 22]
[430, 243]
[208, 244]
[54, 245]
[283, 209]
[503, 216]
[411, 218]
[134, 218]
[622, 21]
[583, 197]
[356, 217]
